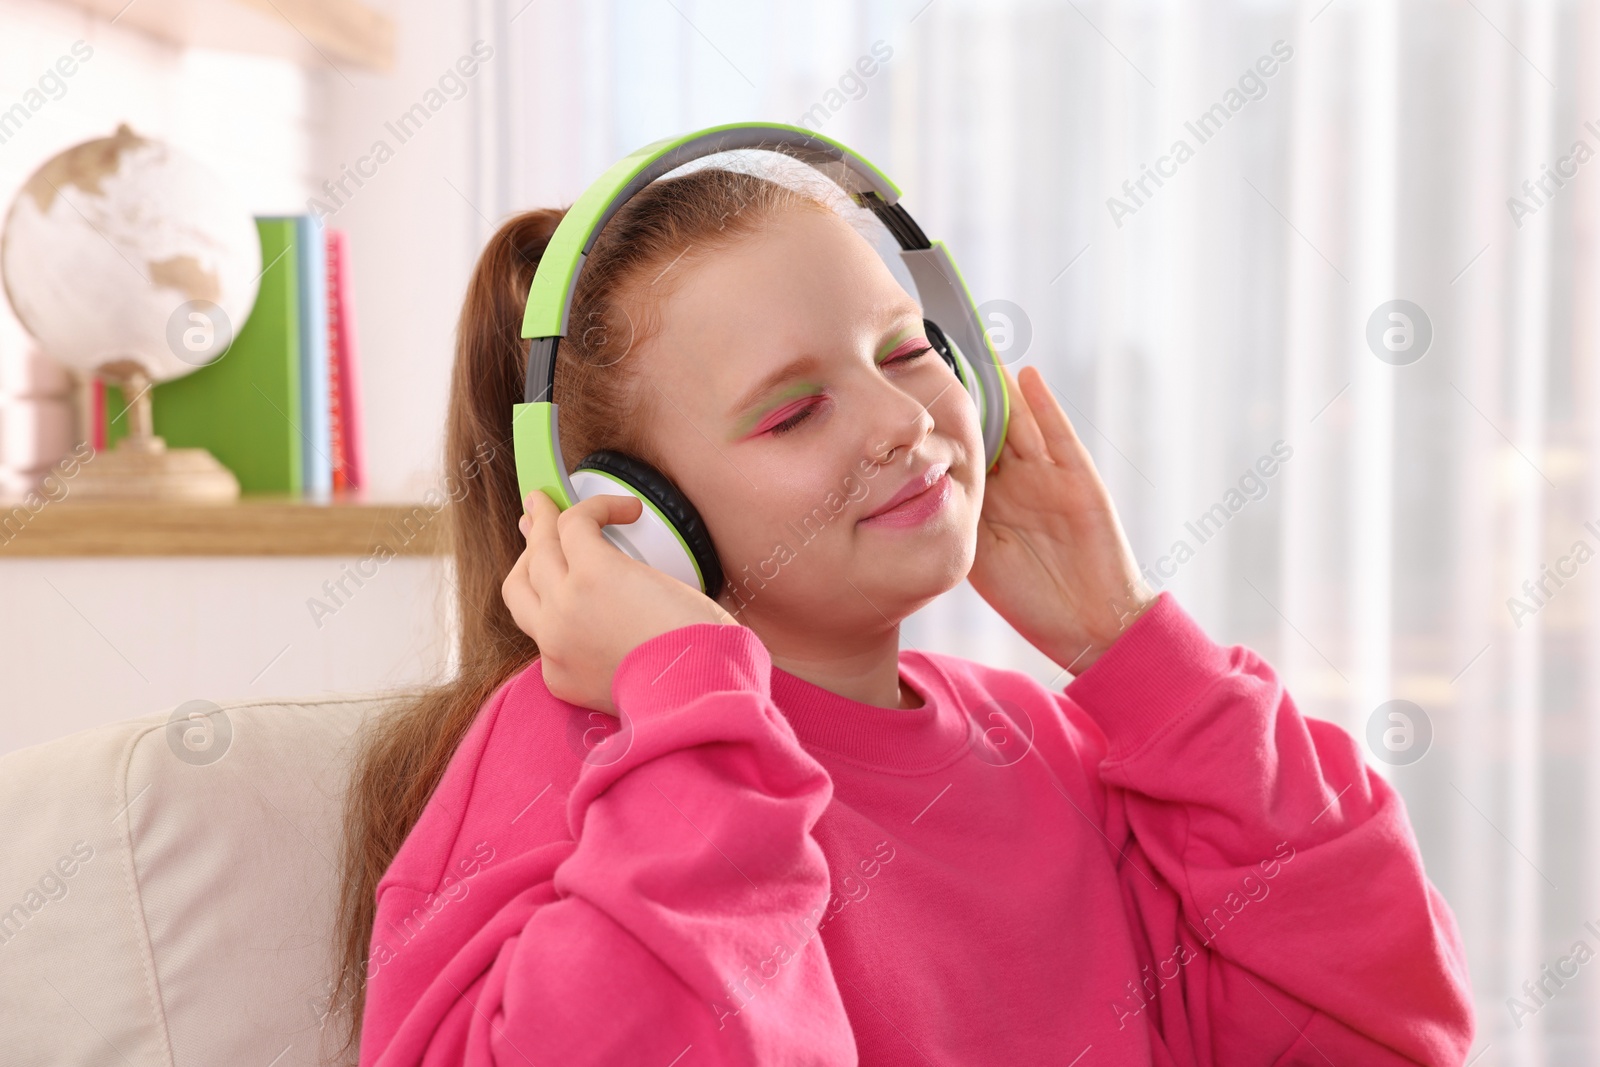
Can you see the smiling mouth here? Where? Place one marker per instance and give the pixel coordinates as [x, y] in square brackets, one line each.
[917, 507]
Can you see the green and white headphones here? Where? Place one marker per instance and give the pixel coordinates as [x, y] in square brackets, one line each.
[669, 534]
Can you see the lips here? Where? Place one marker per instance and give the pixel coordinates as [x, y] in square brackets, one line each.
[918, 483]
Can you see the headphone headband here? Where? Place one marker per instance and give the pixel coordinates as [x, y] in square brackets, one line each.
[550, 297]
[556, 279]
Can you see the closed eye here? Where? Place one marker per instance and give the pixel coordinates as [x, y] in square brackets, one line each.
[793, 421]
[911, 355]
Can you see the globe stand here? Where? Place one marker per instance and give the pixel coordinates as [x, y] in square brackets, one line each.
[141, 466]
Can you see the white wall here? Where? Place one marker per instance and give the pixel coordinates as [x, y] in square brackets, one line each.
[277, 131]
[95, 640]
[85, 642]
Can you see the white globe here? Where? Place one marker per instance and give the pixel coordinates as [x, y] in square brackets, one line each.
[123, 248]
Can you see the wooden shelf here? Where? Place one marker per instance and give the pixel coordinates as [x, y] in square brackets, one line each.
[253, 526]
[345, 33]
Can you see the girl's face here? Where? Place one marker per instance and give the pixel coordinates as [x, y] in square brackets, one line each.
[794, 394]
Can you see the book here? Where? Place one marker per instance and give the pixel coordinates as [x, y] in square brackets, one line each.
[346, 358]
[316, 461]
[245, 406]
[335, 416]
[335, 402]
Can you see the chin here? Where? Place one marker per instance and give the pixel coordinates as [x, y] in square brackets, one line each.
[933, 567]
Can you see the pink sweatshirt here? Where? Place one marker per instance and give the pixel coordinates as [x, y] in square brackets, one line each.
[1165, 864]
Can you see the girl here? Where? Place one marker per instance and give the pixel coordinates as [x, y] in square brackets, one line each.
[646, 827]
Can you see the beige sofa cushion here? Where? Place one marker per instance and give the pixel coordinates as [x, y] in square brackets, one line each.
[167, 889]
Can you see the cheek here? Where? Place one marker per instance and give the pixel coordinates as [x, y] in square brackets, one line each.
[959, 423]
[752, 526]
[810, 512]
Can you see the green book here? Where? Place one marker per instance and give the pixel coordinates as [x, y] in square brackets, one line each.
[243, 407]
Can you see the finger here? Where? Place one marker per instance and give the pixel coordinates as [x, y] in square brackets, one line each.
[1060, 439]
[580, 524]
[521, 598]
[1022, 429]
[546, 562]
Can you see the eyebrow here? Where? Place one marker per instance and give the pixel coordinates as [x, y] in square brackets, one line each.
[803, 365]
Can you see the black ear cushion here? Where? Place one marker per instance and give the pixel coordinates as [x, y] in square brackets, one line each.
[656, 488]
[941, 345]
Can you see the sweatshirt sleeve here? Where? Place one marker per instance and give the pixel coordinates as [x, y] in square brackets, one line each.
[691, 867]
[1306, 930]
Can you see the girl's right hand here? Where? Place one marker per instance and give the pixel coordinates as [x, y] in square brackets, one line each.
[586, 603]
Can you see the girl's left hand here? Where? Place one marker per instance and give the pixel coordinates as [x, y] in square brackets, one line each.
[1052, 558]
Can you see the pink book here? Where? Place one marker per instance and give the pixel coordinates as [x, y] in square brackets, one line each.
[341, 481]
[345, 364]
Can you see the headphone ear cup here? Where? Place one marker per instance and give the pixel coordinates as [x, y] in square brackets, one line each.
[957, 361]
[941, 344]
[683, 548]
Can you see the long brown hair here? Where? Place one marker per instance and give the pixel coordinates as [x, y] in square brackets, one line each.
[404, 751]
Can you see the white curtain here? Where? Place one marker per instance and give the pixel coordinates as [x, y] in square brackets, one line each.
[1230, 317]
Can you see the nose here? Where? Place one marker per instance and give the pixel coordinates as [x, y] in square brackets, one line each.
[897, 421]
